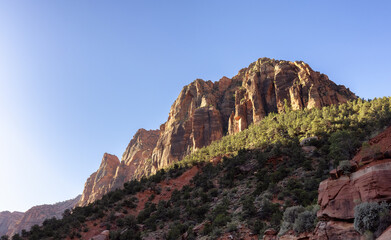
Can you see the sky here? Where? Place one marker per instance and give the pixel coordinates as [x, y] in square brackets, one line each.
[78, 78]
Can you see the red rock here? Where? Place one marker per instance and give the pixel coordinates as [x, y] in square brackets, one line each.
[337, 198]
[335, 230]
[99, 182]
[270, 231]
[103, 236]
[205, 111]
[386, 235]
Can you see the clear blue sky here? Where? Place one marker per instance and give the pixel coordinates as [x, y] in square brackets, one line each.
[78, 78]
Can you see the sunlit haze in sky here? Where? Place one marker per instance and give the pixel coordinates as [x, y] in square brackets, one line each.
[78, 78]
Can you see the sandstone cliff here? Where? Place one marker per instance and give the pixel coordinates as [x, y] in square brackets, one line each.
[15, 222]
[112, 174]
[369, 182]
[99, 182]
[205, 111]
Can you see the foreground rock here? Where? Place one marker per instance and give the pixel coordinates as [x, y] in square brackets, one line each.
[205, 111]
[369, 183]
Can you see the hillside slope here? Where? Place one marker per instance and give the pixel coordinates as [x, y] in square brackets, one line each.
[260, 183]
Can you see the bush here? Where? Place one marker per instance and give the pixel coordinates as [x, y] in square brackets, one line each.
[289, 218]
[372, 216]
[345, 166]
[305, 221]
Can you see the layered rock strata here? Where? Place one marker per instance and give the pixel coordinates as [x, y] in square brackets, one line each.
[370, 182]
[205, 111]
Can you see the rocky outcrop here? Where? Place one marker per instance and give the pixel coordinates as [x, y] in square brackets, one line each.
[335, 230]
[99, 182]
[112, 174]
[9, 220]
[12, 223]
[205, 111]
[370, 182]
[136, 159]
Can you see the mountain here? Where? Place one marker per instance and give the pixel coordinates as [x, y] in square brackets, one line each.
[9, 220]
[316, 174]
[205, 111]
[15, 222]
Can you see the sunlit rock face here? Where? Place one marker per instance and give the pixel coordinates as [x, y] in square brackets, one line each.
[205, 111]
[99, 182]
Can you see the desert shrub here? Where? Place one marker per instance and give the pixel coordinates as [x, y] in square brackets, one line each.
[267, 209]
[372, 216]
[289, 218]
[207, 229]
[249, 209]
[299, 219]
[345, 166]
[343, 145]
[232, 226]
[305, 221]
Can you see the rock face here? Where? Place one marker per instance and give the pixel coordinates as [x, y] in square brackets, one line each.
[99, 182]
[370, 182]
[136, 158]
[9, 220]
[205, 111]
[12, 223]
[112, 173]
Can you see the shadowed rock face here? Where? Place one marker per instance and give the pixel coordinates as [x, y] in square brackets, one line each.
[15, 222]
[205, 111]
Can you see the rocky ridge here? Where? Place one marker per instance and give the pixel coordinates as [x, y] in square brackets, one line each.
[205, 111]
[9, 220]
[112, 173]
[15, 222]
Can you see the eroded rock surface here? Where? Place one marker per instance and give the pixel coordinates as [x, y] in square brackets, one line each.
[99, 182]
[205, 111]
[369, 183]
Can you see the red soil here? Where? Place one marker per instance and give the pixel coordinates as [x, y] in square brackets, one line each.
[167, 187]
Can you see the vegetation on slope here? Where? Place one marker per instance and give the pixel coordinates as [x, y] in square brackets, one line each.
[264, 180]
